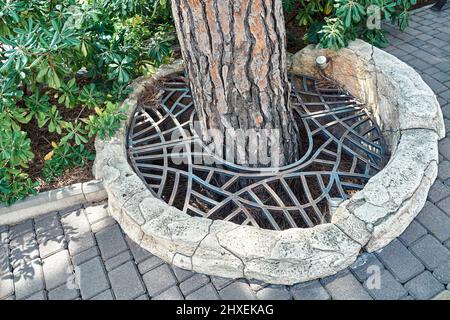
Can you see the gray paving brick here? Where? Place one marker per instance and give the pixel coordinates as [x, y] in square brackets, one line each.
[385, 287]
[444, 204]
[431, 71]
[444, 170]
[182, 274]
[63, 293]
[193, 283]
[273, 292]
[344, 286]
[446, 111]
[436, 221]
[430, 251]
[92, 278]
[4, 259]
[96, 213]
[311, 290]
[398, 52]
[85, 256]
[437, 42]
[447, 128]
[423, 55]
[408, 48]
[159, 279]
[48, 222]
[126, 282]
[105, 295]
[23, 249]
[412, 233]
[402, 263]
[68, 211]
[4, 235]
[435, 85]
[442, 272]
[28, 279]
[438, 191]
[220, 282]
[424, 37]
[111, 241]
[41, 295]
[444, 96]
[238, 290]
[149, 264]
[118, 260]
[81, 243]
[52, 246]
[419, 64]
[75, 223]
[416, 42]
[6, 285]
[57, 269]
[102, 224]
[424, 286]
[444, 148]
[49, 234]
[441, 76]
[362, 268]
[407, 58]
[173, 293]
[139, 253]
[143, 297]
[21, 229]
[207, 292]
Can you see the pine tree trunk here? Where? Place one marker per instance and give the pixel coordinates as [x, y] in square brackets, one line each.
[235, 54]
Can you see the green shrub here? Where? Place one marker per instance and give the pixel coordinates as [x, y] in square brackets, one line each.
[333, 23]
[62, 55]
[64, 157]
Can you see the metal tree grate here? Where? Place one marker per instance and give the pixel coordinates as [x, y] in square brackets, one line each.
[343, 149]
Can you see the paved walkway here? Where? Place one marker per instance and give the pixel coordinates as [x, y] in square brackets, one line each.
[83, 254]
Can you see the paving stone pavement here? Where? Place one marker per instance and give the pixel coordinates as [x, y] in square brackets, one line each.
[82, 253]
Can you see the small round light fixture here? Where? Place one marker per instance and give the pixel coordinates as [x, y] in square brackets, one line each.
[321, 62]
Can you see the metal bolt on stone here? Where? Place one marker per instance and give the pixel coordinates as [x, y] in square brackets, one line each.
[321, 62]
[333, 204]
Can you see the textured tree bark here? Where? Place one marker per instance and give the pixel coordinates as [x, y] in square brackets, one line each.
[235, 53]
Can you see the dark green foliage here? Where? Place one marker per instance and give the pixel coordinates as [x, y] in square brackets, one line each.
[64, 157]
[333, 23]
[80, 55]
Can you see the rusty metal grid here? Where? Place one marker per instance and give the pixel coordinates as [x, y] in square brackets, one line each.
[343, 149]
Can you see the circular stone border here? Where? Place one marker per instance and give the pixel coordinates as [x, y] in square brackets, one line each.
[410, 118]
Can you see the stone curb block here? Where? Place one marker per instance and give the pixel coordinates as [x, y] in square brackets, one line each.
[369, 220]
[51, 201]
